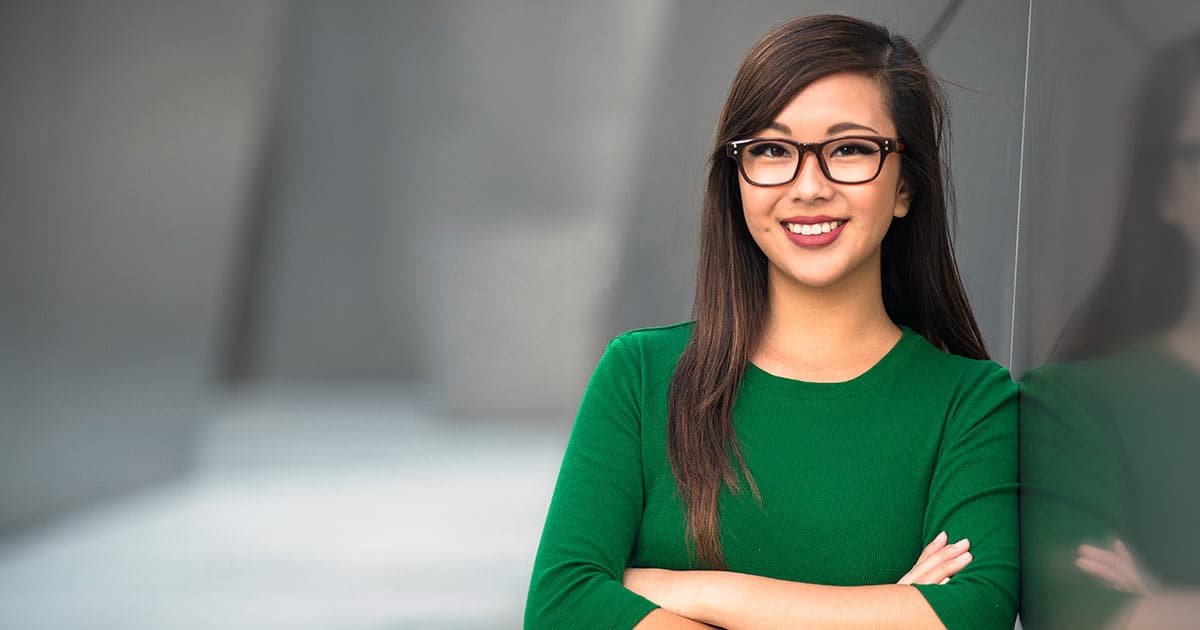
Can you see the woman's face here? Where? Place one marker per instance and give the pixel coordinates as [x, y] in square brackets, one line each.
[856, 215]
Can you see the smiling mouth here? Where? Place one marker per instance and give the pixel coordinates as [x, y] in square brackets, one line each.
[814, 228]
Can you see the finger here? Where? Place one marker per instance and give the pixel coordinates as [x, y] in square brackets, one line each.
[1123, 551]
[936, 569]
[934, 545]
[924, 570]
[1103, 571]
[938, 542]
[1122, 564]
[1130, 566]
[1116, 564]
[936, 573]
[1111, 569]
[1099, 554]
[1119, 557]
[940, 556]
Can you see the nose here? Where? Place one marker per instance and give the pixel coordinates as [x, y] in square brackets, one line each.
[810, 183]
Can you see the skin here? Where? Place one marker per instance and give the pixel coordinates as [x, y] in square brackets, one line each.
[1115, 566]
[693, 599]
[1155, 607]
[835, 289]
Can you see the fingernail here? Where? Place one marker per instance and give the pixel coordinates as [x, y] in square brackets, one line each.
[967, 556]
[963, 543]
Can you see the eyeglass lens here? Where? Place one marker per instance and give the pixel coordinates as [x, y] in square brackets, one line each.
[849, 161]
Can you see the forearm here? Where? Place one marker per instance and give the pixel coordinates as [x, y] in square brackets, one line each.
[737, 600]
[662, 619]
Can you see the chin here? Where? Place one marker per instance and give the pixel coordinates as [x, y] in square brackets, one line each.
[812, 280]
[817, 283]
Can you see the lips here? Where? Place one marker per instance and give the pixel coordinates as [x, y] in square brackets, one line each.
[813, 231]
[808, 220]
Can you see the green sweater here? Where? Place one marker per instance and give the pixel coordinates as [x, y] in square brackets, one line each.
[856, 477]
[1108, 450]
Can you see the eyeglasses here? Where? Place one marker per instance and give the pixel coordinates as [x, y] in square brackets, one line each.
[845, 160]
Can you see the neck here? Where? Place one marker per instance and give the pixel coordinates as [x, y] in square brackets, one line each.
[825, 333]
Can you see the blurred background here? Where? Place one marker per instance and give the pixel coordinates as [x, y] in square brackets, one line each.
[297, 298]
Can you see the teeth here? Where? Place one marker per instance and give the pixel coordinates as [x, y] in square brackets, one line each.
[813, 228]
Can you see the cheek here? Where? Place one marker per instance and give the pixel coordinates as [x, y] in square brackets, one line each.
[757, 204]
[879, 202]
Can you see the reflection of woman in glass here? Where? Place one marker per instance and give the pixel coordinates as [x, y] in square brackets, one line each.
[829, 411]
[1109, 438]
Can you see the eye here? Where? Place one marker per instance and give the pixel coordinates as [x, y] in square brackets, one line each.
[853, 148]
[775, 150]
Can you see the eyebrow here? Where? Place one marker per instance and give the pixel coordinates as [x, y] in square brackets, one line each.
[835, 128]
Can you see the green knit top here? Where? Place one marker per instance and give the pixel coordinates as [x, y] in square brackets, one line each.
[855, 477]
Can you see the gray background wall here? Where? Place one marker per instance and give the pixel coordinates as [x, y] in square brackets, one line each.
[1086, 63]
[455, 203]
[128, 135]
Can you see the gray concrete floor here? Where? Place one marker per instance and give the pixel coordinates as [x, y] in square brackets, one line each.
[346, 507]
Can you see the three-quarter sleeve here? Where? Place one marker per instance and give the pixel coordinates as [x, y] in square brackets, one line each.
[596, 508]
[973, 494]
[1073, 476]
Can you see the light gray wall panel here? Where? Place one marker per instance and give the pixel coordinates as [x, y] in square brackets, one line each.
[127, 132]
[1085, 63]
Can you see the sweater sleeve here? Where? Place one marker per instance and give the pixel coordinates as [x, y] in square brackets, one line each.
[596, 508]
[973, 494]
[1071, 483]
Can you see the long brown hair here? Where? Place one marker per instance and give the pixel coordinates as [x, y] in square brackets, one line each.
[1124, 307]
[921, 285]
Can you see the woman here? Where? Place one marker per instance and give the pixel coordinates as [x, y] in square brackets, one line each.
[831, 407]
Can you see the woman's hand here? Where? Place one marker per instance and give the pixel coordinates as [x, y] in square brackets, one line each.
[939, 562]
[1115, 566]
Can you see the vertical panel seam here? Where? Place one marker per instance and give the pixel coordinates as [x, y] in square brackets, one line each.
[1012, 321]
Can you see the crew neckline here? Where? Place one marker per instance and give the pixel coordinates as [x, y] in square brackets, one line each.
[755, 377]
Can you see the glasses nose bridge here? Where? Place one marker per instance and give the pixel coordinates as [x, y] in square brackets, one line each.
[814, 148]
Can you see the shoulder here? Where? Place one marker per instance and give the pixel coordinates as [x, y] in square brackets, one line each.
[946, 368]
[1080, 396]
[974, 387]
[654, 345]
[667, 336]
[1102, 373]
[639, 363]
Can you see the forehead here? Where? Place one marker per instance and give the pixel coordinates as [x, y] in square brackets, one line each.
[837, 98]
